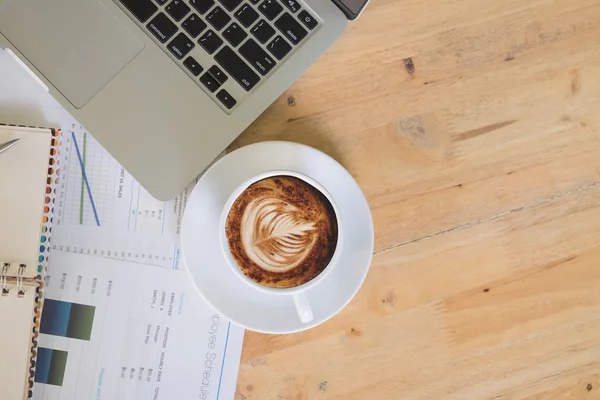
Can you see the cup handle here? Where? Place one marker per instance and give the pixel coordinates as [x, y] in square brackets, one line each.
[303, 307]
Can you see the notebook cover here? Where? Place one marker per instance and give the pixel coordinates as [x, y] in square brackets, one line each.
[26, 311]
[15, 340]
[23, 172]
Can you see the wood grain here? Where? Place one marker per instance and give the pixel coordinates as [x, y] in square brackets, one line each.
[482, 170]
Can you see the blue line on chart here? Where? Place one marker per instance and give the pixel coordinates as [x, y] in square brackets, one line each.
[223, 365]
[85, 179]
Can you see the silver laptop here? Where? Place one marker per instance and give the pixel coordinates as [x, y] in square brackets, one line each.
[166, 85]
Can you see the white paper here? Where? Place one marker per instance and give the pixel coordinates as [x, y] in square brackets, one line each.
[23, 101]
[152, 335]
[105, 212]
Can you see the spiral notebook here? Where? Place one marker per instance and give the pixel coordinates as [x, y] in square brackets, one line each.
[28, 173]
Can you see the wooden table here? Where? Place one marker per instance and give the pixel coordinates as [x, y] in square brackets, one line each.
[482, 170]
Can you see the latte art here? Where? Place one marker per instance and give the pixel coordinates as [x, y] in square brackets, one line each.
[282, 232]
[279, 237]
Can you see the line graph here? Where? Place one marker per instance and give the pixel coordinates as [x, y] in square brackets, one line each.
[84, 179]
[103, 211]
[91, 181]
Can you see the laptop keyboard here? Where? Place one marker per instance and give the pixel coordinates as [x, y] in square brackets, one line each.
[213, 41]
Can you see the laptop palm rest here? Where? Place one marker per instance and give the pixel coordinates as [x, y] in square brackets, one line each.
[78, 45]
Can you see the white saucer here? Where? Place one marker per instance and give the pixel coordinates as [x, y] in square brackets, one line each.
[223, 289]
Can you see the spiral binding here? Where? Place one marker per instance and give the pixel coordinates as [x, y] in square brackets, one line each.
[20, 290]
[4, 279]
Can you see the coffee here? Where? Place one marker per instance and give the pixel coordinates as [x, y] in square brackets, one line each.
[282, 232]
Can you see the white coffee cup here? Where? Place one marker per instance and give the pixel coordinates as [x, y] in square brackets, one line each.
[299, 293]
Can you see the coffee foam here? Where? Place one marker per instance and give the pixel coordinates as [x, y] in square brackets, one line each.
[281, 231]
[275, 234]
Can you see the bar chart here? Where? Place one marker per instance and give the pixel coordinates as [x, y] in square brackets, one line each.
[119, 330]
[71, 320]
[51, 366]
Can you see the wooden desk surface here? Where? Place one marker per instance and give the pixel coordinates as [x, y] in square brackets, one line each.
[482, 169]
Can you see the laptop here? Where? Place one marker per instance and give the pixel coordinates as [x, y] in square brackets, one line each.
[166, 85]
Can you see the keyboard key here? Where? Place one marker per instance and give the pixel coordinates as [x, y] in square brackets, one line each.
[234, 34]
[279, 47]
[142, 9]
[219, 75]
[246, 15]
[307, 20]
[202, 6]
[210, 42]
[161, 2]
[226, 99]
[194, 25]
[210, 82]
[230, 4]
[180, 46]
[177, 9]
[270, 9]
[290, 28]
[263, 31]
[193, 66]
[162, 27]
[254, 1]
[257, 57]
[218, 18]
[292, 5]
[237, 68]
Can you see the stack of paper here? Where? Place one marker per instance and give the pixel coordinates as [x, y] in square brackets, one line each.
[121, 317]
